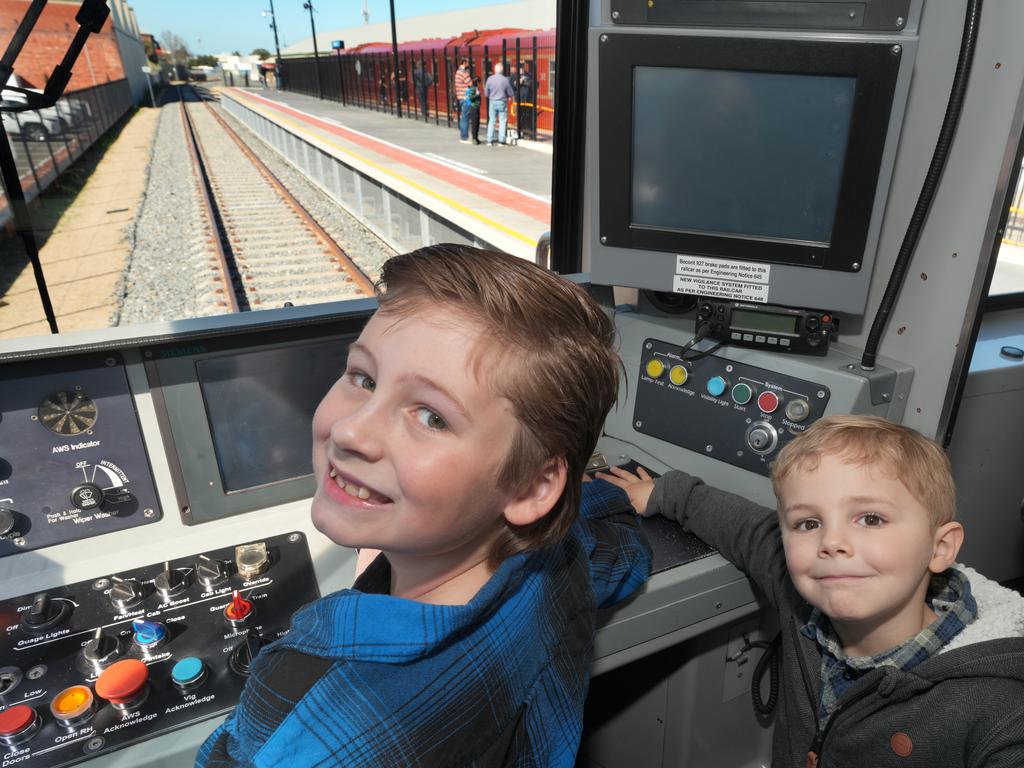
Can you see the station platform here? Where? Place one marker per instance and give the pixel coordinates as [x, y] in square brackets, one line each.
[497, 196]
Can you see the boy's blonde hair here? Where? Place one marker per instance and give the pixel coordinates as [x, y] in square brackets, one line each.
[545, 345]
[917, 462]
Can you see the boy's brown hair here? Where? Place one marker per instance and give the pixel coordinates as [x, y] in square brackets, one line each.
[917, 462]
[545, 345]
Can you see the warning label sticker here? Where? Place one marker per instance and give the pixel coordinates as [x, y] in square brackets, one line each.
[725, 278]
[724, 289]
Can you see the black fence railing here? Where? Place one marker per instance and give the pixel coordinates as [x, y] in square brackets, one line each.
[47, 141]
[424, 83]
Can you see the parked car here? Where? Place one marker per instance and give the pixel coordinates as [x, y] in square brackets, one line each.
[33, 124]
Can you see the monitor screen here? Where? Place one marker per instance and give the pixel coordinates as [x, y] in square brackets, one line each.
[724, 151]
[260, 407]
[739, 153]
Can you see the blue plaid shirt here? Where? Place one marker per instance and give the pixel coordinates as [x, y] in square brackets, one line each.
[365, 679]
[949, 596]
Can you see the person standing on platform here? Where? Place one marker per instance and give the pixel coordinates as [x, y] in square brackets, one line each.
[421, 81]
[473, 97]
[498, 90]
[526, 119]
[462, 82]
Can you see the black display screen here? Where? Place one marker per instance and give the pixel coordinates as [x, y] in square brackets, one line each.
[260, 408]
[749, 154]
[763, 321]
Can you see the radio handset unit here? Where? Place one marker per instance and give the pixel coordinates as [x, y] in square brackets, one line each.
[767, 326]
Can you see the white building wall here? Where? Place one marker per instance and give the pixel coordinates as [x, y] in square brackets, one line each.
[133, 53]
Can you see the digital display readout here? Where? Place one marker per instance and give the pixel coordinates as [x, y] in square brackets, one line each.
[763, 321]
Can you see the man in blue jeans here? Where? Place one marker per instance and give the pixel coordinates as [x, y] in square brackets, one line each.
[462, 82]
[498, 90]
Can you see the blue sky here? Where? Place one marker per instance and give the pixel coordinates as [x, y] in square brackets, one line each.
[215, 26]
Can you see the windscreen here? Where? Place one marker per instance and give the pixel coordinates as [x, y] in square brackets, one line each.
[260, 409]
[739, 153]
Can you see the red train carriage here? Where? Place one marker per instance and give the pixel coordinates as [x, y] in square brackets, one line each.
[425, 77]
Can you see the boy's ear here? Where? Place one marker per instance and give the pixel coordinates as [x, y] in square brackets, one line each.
[948, 540]
[539, 496]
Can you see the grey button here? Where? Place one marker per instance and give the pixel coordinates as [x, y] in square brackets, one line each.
[772, 340]
[783, 342]
[748, 337]
[735, 336]
[759, 339]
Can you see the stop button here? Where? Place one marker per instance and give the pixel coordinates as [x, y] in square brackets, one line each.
[767, 402]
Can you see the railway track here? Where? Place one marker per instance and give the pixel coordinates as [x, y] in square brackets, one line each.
[265, 250]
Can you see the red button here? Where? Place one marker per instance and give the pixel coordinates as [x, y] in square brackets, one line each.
[122, 681]
[16, 719]
[767, 402]
[826, 319]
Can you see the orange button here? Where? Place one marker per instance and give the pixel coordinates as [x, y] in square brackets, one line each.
[122, 681]
[16, 719]
[71, 702]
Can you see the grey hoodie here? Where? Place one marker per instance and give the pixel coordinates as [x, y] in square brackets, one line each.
[962, 707]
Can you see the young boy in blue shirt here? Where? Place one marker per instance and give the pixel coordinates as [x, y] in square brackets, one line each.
[453, 443]
[891, 654]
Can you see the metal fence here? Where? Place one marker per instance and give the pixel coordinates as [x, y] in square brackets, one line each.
[46, 141]
[424, 86]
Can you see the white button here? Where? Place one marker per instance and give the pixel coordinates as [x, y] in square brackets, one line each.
[748, 337]
[735, 336]
[772, 340]
[783, 342]
[759, 339]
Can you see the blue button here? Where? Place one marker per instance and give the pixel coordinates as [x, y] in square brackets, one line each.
[188, 670]
[716, 386]
[148, 632]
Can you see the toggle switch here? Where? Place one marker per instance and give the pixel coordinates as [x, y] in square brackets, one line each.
[170, 582]
[100, 652]
[149, 635]
[239, 611]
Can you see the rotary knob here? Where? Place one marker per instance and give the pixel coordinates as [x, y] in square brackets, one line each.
[44, 614]
[242, 656]
[125, 593]
[211, 572]
[100, 652]
[8, 520]
[87, 496]
[170, 582]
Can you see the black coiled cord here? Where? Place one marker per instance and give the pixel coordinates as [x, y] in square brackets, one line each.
[769, 659]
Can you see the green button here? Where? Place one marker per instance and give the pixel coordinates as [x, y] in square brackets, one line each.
[741, 394]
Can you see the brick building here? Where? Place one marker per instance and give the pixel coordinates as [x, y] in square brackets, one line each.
[100, 61]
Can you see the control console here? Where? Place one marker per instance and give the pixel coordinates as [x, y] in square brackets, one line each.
[94, 666]
[728, 410]
[72, 459]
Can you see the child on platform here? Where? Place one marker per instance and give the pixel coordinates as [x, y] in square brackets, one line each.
[454, 443]
[891, 654]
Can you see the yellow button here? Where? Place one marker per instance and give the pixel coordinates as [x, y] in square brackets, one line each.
[678, 375]
[655, 368]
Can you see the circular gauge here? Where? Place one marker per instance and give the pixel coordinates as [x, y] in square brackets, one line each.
[67, 413]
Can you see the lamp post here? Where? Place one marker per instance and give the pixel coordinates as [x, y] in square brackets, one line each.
[277, 47]
[394, 53]
[308, 5]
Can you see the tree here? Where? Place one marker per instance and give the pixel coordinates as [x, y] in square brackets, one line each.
[174, 47]
[235, 53]
[263, 53]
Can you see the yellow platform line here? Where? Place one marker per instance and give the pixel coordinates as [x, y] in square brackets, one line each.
[300, 128]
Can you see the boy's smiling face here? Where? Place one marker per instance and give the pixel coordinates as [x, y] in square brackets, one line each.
[860, 548]
[408, 443]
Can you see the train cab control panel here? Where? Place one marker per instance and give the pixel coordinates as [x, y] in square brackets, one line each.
[72, 459]
[97, 665]
[729, 410]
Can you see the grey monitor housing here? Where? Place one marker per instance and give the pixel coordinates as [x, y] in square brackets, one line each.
[746, 156]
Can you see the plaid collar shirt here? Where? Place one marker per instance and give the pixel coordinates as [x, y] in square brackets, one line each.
[949, 596]
[363, 679]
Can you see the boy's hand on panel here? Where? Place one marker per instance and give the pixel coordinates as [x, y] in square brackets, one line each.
[638, 487]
